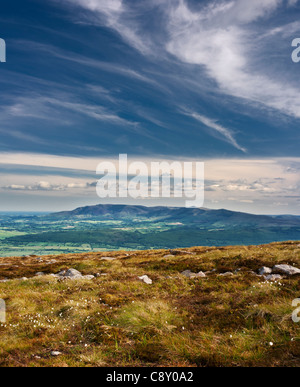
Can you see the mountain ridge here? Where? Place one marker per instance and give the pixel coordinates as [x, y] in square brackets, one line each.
[180, 214]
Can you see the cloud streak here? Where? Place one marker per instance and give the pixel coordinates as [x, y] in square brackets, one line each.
[219, 38]
[212, 124]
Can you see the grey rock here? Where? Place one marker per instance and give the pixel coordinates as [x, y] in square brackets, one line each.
[273, 277]
[72, 273]
[90, 277]
[61, 273]
[285, 269]
[227, 274]
[190, 274]
[51, 262]
[39, 274]
[169, 256]
[200, 275]
[187, 273]
[107, 259]
[264, 270]
[146, 279]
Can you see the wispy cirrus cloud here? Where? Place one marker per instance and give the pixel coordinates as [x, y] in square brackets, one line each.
[217, 128]
[117, 15]
[219, 38]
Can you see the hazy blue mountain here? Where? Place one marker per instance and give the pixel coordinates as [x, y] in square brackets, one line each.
[114, 227]
[189, 216]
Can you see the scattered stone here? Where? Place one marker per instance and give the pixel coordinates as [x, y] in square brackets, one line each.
[146, 279]
[264, 270]
[285, 269]
[88, 276]
[39, 274]
[55, 275]
[227, 274]
[273, 277]
[107, 259]
[55, 353]
[23, 279]
[51, 262]
[190, 274]
[61, 273]
[200, 275]
[4, 280]
[72, 274]
[187, 273]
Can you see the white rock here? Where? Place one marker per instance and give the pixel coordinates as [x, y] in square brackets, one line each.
[146, 279]
[264, 270]
[107, 259]
[285, 269]
[55, 353]
[39, 274]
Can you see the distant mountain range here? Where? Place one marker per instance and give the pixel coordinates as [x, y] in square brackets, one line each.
[115, 227]
[200, 217]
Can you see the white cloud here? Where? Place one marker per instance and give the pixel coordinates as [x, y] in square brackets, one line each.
[212, 124]
[229, 183]
[48, 186]
[116, 17]
[220, 40]
[220, 37]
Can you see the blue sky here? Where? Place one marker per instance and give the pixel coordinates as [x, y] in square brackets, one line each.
[157, 79]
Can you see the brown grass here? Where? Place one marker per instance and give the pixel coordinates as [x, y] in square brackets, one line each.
[116, 320]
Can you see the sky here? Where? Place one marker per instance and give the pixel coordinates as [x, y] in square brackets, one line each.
[208, 81]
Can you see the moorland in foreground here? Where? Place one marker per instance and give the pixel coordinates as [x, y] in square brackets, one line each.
[116, 319]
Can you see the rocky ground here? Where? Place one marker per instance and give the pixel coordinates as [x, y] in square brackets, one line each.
[227, 306]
